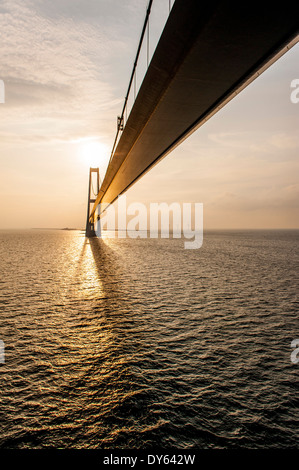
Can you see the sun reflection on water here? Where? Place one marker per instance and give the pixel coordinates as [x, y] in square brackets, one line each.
[87, 274]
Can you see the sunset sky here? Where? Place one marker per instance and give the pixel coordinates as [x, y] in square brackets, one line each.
[66, 67]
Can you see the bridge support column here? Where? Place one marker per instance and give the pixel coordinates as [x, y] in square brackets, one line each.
[90, 221]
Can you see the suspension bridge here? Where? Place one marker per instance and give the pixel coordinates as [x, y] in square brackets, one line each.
[207, 53]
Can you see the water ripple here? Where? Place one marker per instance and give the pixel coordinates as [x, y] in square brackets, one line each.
[140, 343]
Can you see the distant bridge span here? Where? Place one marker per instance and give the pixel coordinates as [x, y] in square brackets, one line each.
[208, 52]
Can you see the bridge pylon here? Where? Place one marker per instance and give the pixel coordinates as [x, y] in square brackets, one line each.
[90, 221]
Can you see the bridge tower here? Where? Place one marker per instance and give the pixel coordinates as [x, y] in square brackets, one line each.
[90, 221]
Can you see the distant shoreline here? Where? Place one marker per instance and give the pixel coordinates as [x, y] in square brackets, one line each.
[116, 230]
[65, 228]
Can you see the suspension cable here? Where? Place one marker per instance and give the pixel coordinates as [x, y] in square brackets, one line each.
[92, 188]
[148, 43]
[133, 73]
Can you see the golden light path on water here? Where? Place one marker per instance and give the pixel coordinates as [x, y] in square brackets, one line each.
[86, 273]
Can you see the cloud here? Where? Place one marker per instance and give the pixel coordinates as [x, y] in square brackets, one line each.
[55, 73]
[284, 141]
[279, 196]
[230, 139]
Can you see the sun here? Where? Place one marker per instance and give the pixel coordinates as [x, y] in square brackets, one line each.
[93, 153]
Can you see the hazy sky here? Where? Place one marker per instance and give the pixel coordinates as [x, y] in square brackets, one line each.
[66, 66]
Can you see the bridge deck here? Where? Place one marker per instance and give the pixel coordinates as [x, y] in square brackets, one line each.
[206, 54]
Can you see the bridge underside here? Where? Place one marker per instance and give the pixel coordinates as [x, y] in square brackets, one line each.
[207, 53]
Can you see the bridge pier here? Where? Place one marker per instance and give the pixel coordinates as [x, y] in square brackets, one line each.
[90, 221]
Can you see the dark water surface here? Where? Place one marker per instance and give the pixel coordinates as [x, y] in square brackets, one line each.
[140, 343]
